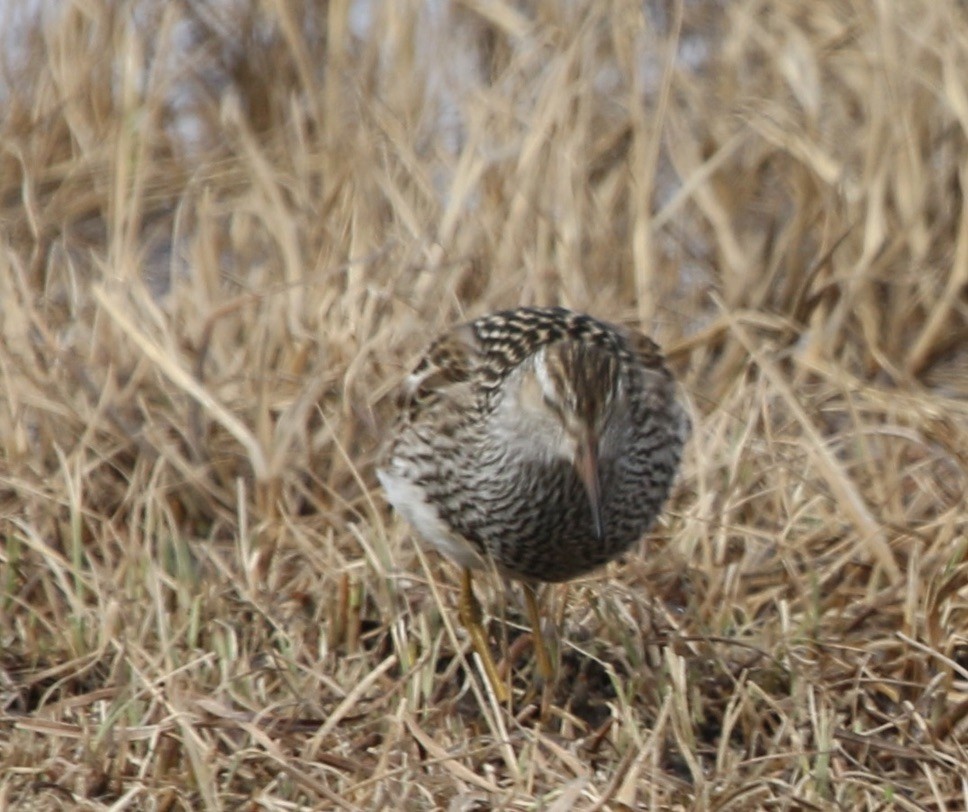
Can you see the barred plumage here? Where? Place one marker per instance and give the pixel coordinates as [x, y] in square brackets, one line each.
[539, 440]
[482, 461]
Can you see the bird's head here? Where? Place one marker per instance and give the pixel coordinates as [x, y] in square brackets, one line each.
[568, 393]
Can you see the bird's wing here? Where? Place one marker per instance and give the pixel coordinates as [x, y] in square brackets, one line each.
[448, 364]
[642, 348]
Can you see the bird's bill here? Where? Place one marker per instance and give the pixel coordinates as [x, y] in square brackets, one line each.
[586, 463]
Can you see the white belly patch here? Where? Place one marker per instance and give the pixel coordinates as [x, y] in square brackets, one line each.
[409, 502]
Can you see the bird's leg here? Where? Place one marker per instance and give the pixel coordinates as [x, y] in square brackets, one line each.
[471, 617]
[545, 668]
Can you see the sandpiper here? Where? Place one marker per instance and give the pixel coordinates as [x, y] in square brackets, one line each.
[539, 441]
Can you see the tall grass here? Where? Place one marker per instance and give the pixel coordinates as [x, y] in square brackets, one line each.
[228, 229]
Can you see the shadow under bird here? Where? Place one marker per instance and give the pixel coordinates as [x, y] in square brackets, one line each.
[539, 441]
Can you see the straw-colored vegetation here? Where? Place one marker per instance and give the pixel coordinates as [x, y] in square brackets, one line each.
[226, 230]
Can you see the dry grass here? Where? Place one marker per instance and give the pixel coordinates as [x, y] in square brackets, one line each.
[229, 227]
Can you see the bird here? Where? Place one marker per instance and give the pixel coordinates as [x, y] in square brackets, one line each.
[537, 441]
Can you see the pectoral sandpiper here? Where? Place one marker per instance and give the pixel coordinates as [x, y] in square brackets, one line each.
[538, 440]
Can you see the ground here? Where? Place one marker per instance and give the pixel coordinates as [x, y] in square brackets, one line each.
[228, 231]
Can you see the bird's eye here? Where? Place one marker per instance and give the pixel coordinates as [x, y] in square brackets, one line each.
[552, 405]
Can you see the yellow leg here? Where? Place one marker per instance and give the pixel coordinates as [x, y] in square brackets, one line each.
[545, 668]
[471, 617]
